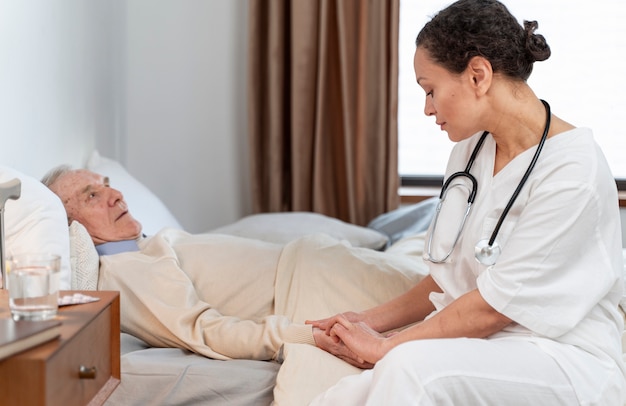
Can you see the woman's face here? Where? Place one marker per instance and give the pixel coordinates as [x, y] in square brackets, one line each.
[449, 97]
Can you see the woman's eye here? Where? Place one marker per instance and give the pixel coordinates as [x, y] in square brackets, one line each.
[429, 93]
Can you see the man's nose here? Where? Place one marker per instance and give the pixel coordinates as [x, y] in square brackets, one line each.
[114, 196]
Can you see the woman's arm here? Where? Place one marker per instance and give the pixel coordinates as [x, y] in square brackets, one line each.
[468, 316]
[408, 308]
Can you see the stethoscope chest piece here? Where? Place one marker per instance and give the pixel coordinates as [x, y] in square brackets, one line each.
[485, 253]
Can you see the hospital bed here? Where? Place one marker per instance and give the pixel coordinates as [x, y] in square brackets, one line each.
[172, 376]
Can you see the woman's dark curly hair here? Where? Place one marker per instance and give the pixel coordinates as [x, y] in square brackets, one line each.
[486, 28]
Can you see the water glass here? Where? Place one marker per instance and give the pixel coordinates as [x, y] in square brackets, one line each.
[33, 284]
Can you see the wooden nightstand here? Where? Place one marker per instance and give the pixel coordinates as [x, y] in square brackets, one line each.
[81, 367]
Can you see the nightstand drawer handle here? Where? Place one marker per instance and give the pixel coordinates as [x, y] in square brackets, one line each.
[86, 372]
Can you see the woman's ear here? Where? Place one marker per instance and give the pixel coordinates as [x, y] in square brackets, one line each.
[480, 73]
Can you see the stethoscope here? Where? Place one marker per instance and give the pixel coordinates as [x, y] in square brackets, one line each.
[486, 250]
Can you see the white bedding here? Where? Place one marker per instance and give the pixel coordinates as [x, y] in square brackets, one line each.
[172, 376]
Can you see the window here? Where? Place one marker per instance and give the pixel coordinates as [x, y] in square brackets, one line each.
[584, 79]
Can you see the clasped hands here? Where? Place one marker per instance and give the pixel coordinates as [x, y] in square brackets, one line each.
[350, 338]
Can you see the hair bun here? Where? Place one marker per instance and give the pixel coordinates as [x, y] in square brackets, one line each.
[536, 44]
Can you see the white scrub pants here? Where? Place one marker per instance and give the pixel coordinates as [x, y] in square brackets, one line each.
[457, 372]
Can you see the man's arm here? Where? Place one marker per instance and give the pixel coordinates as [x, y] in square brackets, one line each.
[160, 305]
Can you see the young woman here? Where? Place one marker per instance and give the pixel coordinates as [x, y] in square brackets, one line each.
[521, 305]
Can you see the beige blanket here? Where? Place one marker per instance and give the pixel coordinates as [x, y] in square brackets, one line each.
[229, 297]
[307, 370]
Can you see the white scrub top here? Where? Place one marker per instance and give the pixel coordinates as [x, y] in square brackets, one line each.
[559, 277]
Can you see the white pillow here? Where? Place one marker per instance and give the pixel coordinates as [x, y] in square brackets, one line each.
[144, 205]
[284, 227]
[405, 220]
[84, 258]
[36, 222]
[411, 245]
[622, 302]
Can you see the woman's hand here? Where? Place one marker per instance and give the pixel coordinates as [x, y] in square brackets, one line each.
[358, 338]
[338, 349]
[328, 323]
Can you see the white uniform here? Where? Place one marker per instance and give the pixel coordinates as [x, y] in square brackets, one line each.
[559, 278]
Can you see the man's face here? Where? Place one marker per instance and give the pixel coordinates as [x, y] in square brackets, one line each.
[90, 200]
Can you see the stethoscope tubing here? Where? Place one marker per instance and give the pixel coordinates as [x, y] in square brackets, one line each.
[522, 182]
[474, 190]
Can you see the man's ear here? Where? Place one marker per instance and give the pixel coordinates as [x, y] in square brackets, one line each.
[480, 74]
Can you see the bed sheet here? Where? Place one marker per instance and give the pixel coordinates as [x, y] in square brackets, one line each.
[171, 376]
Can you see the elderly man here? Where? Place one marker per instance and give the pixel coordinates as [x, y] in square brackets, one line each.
[223, 296]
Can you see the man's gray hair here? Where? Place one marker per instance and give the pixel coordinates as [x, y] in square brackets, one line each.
[54, 174]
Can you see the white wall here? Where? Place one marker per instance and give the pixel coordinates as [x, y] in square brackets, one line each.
[55, 98]
[622, 213]
[183, 104]
[156, 84]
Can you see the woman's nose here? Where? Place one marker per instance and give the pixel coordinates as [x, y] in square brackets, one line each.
[429, 108]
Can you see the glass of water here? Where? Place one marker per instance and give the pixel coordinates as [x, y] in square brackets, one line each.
[33, 284]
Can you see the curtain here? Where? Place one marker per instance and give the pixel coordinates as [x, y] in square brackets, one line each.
[322, 105]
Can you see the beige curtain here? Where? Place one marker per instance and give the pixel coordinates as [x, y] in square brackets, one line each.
[322, 106]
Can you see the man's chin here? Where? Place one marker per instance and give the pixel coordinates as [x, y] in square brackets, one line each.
[127, 222]
[128, 235]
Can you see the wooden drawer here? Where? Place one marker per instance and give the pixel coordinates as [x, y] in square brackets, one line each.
[50, 374]
[89, 349]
